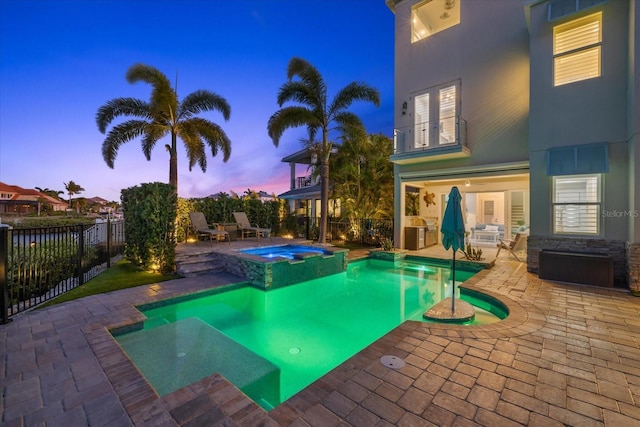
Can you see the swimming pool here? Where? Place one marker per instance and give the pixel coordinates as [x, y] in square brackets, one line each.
[273, 344]
[286, 251]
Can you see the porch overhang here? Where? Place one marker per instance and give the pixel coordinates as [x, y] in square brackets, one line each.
[512, 168]
[302, 193]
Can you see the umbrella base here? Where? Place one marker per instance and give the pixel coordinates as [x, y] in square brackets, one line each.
[441, 312]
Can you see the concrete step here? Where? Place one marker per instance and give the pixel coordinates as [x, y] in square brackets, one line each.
[196, 264]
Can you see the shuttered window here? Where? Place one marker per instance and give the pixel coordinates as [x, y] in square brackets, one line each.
[447, 129]
[421, 139]
[435, 116]
[577, 204]
[577, 49]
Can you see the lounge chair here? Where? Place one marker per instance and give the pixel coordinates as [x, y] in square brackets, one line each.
[519, 243]
[199, 224]
[246, 229]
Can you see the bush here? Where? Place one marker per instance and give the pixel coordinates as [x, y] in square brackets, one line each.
[150, 212]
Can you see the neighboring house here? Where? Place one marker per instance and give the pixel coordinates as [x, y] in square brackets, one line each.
[304, 191]
[18, 200]
[531, 109]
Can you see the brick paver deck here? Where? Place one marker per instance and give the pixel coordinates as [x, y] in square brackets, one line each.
[567, 355]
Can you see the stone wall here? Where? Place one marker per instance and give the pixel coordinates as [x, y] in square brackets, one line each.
[633, 256]
[617, 250]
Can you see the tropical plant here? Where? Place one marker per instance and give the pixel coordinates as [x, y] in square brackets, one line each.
[72, 188]
[362, 177]
[319, 115]
[164, 115]
[472, 254]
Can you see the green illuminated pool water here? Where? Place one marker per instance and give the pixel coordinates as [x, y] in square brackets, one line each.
[287, 337]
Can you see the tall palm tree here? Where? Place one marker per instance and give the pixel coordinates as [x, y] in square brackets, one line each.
[72, 188]
[165, 115]
[319, 116]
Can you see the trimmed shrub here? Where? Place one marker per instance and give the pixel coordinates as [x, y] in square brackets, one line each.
[150, 217]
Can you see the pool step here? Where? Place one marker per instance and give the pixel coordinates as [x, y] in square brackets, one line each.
[196, 264]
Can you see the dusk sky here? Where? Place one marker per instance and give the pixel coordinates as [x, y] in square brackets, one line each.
[60, 60]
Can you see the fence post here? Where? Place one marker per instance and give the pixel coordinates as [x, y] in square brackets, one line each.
[80, 254]
[108, 241]
[307, 223]
[4, 274]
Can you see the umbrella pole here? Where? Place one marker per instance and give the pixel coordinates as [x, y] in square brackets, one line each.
[453, 275]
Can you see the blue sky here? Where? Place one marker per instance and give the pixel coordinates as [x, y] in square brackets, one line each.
[60, 60]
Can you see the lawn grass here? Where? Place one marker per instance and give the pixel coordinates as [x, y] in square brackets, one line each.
[121, 275]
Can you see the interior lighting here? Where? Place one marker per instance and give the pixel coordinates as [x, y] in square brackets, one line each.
[467, 183]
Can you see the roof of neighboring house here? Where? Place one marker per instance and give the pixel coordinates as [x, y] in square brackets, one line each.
[27, 194]
[98, 200]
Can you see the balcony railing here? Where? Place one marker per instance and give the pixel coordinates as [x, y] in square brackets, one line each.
[421, 138]
[305, 181]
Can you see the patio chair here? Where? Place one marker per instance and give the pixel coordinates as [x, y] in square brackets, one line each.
[518, 244]
[246, 229]
[199, 224]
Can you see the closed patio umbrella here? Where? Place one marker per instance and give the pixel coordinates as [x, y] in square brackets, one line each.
[453, 234]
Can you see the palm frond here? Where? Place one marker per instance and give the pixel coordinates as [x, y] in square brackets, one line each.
[120, 107]
[153, 133]
[349, 123]
[354, 91]
[297, 91]
[211, 134]
[164, 100]
[193, 145]
[203, 100]
[118, 135]
[289, 117]
[309, 75]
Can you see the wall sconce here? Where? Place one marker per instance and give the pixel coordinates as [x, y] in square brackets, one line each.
[404, 108]
[467, 183]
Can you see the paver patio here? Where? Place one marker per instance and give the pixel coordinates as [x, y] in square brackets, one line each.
[567, 355]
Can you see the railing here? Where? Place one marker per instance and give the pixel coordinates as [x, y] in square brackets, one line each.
[38, 264]
[304, 181]
[404, 139]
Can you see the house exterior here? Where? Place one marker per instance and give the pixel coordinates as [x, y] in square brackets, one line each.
[531, 109]
[304, 190]
[18, 200]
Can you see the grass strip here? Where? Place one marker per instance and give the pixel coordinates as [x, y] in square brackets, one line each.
[121, 275]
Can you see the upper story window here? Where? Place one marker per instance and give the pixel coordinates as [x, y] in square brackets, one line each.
[577, 47]
[431, 16]
[435, 116]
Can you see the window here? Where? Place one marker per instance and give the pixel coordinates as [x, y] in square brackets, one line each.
[432, 16]
[577, 49]
[435, 116]
[577, 204]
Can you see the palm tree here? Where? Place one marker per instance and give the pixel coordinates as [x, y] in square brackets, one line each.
[49, 192]
[165, 115]
[362, 177]
[318, 115]
[72, 188]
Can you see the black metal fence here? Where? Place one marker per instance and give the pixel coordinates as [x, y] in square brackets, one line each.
[38, 264]
[364, 231]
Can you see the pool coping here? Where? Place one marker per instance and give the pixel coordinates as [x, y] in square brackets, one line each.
[144, 405]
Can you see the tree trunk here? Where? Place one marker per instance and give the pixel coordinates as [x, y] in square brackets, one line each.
[324, 187]
[173, 162]
[324, 200]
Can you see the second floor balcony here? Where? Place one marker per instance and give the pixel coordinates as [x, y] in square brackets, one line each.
[305, 181]
[427, 141]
